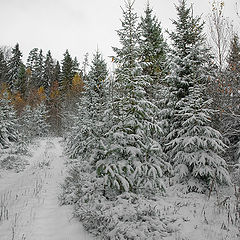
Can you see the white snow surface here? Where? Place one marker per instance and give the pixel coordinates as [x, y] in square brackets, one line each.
[29, 207]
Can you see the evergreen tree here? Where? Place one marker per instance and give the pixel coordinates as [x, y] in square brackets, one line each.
[32, 58]
[34, 121]
[35, 64]
[75, 65]
[153, 48]
[57, 72]
[27, 124]
[98, 70]
[3, 68]
[39, 70]
[48, 74]
[187, 63]
[22, 81]
[88, 124]
[68, 72]
[14, 66]
[55, 109]
[233, 74]
[8, 123]
[40, 115]
[234, 54]
[131, 159]
[196, 148]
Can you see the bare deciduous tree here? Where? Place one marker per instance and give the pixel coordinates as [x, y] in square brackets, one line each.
[221, 30]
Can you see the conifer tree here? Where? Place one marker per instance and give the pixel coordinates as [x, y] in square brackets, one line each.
[88, 125]
[55, 109]
[131, 159]
[8, 123]
[39, 69]
[193, 146]
[98, 70]
[27, 124]
[3, 68]
[35, 64]
[22, 82]
[34, 121]
[57, 72]
[32, 58]
[196, 151]
[40, 115]
[75, 65]
[153, 47]
[14, 66]
[48, 73]
[68, 72]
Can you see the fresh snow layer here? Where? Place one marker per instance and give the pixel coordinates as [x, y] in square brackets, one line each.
[29, 208]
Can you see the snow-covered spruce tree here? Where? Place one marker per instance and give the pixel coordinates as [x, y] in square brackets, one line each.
[14, 66]
[35, 65]
[40, 115]
[153, 47]
[67, 73]
[196, 151]
[8, 123]
[3, 67]
[88, 127]
[34, 122]
[131, 158]
[193, 150]
[48, 72]
[26, 123]
[187, 63]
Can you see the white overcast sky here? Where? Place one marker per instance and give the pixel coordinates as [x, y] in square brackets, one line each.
[78, 25]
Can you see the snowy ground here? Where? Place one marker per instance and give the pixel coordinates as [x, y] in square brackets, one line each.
[29, 208]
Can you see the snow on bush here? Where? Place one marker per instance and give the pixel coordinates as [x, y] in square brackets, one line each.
[13, 162]
[108, 216]
[177, 214]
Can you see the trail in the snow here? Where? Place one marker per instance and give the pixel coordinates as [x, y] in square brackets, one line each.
[29, 208]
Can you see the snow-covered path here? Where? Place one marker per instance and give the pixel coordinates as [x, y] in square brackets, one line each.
[29, 207]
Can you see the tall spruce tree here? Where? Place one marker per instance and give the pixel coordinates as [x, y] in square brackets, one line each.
[14, 66]
[48, 73]
[57, 72]
[22, 81]
[8, 123]
[153, 47]
[35, 65]
[39, 69]
[131, 158]
[68, 72]
[88, 124]
[193, 146]
[98, 70]
[3, 68]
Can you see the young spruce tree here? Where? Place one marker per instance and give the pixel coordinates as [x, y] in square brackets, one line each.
[14, 66]
[8, 123]
[153, 47]
[88, 127]
[132, 159]
[193, 145]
